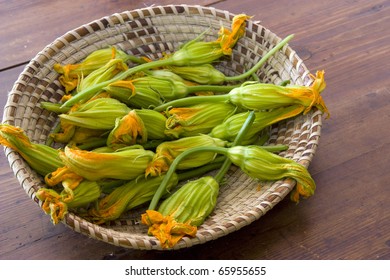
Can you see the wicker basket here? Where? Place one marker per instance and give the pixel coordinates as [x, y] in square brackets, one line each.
[152, 31]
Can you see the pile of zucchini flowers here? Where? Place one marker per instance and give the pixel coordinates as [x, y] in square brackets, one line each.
[149, 135]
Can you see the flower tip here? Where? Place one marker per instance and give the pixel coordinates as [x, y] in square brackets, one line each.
[58, 68]
[168, 231]
[319, 83]
[294, 196]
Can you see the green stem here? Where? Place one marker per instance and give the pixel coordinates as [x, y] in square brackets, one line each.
[135, 59]
[212, 88]
[256, 78]
[54, 107]
[261, 61]
[161, 189]
[275, 148]
[90, 91]
[240, 135]
[201, 170]
[192, 100]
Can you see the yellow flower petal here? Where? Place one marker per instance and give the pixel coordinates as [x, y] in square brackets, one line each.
[128, 130]
[228, 38]
[18, 137]
[52, 204]
[166, 229]
[62, 174]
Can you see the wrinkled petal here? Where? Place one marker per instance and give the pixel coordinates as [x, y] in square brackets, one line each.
[52, 204]
[128, 131]
[166, 229]
[229, 38]
[62, 174]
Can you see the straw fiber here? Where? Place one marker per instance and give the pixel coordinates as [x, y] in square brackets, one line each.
[153, 31]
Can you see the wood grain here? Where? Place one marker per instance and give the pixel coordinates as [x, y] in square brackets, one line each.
[28, 26]
[347, 218]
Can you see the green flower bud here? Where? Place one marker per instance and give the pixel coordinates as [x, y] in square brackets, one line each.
[128, 131]
[93, 61]
[196, 119]
[198, 52]
[85, 136]
[193, 202]
[99, 113]
[126, 164]
[260, 96]
[181, 213]
[136, 96]
[41, 158]
[128, 196]
[204, 74]
[138, 126]
[261, 164]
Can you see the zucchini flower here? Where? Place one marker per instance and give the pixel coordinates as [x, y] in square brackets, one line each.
[228, 38]
[128, 196]
[196, 119]
[57, 204]
[98, 114]
[71, 73]
[261, 164]
[127, 163]
[198, 52]
[102, 74]
[138, 126]
[204, 74]
[41, 158]
[128, 131]
[167, 151]
[261, 96]
[135, 96]
[229, 129]
[182, 212]
[168, 85]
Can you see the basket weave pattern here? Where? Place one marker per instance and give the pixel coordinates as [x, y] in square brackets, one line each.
[152, 32]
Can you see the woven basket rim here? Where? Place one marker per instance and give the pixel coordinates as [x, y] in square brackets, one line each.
[31, 182]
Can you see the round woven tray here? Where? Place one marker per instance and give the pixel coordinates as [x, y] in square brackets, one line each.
[151, 32]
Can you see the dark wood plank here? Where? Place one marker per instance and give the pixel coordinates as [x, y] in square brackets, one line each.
[347, 218]
[28, 26]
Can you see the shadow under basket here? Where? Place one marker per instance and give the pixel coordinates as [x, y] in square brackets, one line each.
[151, 32]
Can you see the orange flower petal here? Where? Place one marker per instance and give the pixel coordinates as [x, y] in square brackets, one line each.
[166, 229]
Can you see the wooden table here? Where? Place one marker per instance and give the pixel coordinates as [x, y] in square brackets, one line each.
[347, 218]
